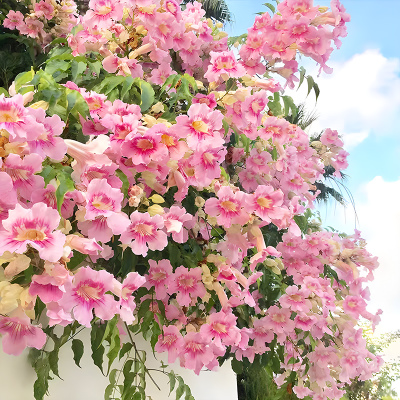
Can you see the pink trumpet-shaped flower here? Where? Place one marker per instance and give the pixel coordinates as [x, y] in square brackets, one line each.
[87, 293]
[172, 341]
[34, 227]
[18, 333]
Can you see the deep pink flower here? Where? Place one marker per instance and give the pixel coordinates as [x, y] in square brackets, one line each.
[223, 64]
[200, 124]
[34, 227]
[228, 207]
[14, 20]
[18, 333]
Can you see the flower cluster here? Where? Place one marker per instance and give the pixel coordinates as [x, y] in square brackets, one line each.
[177, 204]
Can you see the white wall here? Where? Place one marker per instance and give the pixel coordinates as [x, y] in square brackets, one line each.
[87, 383]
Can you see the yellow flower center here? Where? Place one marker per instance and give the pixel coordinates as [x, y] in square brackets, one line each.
[229, 205]
[264, 203]
[31, 234]
[104, 10]
[200, 126]
[144, 229]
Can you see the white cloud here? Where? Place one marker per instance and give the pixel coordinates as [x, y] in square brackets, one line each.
[379, 216]
[360, 97]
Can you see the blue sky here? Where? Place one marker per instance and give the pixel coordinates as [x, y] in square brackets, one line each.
[361, 99]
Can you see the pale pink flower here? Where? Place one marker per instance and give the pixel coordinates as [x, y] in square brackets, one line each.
[296, 299]
[266, 203]
[49, 286]
[196, 352]
[87, 293]
[32, 27]
[18, 333]
[144, 233]
[222, 328]
[125, 292]
[177, 222]
[12, 113]
[34, 227]
[8, 195]
[159, 276]
[187, 284]
[172, 341]
[354, 306]
[278, 320]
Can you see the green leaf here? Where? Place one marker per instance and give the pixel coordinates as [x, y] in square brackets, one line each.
[77, 348]
[237, 366]
[4, 91]
[302, 74]
[76, 259]
[310, 83]
[126, 86]
[316, 90]
[115, 345]
[53, 361]
[109, 83]
[125, 181]
[48, 173]
[95, 67]
[147, 95]
[126, 348]
[23, 78]
[56, 65]
[65, 184]
[77, 68]
[270, 6]
[172, 381]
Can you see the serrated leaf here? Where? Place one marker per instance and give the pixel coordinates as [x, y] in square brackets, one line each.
[78, 349]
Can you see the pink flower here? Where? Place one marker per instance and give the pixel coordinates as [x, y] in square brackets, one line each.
[87, 293]
[18, 333]
[223, 64]
[228, 207]
[102, 199]
[101, 13]
[145, 233]
[44, 9]
[127, 302]
[32, 27]
[177, 221]
[22, 172]
[50, 285]
[200, 124]
[8, 195]
[12, 112]
[34, 227]
[295, 299]
[171, 340]
[266, 203]
[159, 276]
[278, 320]
[187, 284]
[14, 20]
[196, 353]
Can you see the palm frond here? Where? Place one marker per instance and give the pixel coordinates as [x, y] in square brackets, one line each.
[217, 10]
